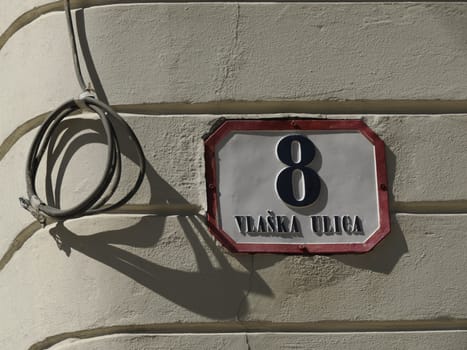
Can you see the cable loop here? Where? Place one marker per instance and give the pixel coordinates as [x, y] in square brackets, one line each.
[95, 202]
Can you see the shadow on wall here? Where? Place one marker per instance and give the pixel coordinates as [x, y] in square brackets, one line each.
[381, 259]
[216, 292]
[384, 257]
[205, 291]
[88, 61]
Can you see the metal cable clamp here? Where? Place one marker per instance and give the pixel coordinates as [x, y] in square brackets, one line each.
[32, 206]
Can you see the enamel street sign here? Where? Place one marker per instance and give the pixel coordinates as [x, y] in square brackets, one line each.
[296, 186]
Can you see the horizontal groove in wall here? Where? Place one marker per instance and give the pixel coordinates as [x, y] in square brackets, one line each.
[454, 207]
[144, 209]
[129, 210]
[384, 107]
[34, 13]
[31, 15]
[341, 108]
[162, 210]
[259, 327]
[20, 131]
[411, 208]
[18, 242]
[26, 18]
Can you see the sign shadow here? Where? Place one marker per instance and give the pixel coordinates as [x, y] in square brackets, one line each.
[384, 257]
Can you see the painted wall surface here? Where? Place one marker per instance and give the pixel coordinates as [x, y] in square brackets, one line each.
[150, 276]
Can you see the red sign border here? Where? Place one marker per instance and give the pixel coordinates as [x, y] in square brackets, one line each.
[231, 125]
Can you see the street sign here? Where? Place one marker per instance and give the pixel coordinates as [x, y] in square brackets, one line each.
[296, 186]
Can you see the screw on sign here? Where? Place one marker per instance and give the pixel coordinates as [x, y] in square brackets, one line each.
[296, 186]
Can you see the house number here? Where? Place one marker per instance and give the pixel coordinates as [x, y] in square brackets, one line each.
[297, 152]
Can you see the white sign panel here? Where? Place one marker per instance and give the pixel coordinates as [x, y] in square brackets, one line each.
[296, 186]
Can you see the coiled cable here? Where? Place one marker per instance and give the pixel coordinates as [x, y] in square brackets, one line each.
[95, 202]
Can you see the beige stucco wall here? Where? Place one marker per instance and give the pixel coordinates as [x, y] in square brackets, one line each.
[151, 276]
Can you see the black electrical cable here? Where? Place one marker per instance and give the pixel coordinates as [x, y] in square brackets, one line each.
[95, 202]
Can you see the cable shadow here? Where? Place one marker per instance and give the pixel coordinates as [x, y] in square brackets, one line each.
[204, 291]
[72, 134]
[88, 61]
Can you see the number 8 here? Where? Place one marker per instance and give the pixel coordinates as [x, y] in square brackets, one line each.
[284, 180]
